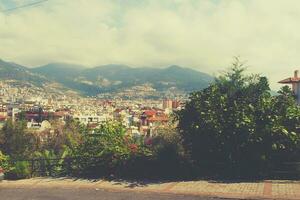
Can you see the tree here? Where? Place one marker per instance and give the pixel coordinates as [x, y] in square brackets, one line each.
[236, 121]
[62, 136]
[15, 141]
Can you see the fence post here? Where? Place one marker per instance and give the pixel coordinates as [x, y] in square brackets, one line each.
[32, 168]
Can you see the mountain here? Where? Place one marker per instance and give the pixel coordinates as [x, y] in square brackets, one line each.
[66, 75]
[107, 78]
[52, 69]
[12, 71]
[124, 76]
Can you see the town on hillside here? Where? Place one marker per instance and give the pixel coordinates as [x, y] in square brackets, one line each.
[41, 108]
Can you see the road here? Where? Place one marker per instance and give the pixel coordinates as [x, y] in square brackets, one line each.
[86, 194]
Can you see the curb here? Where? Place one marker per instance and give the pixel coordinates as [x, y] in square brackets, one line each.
[40, 183]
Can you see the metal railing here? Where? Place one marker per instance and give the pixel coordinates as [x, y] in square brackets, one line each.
[68, 166]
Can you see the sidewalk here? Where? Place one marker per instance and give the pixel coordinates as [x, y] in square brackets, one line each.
[239, 190]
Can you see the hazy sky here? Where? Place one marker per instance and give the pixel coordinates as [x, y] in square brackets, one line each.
[201, 34]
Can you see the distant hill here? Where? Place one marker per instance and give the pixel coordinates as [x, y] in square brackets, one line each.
[66, 75]
[12, 71]
[52, 69]
[116, 77]
[107, 78]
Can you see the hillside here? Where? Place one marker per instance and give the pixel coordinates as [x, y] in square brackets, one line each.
[12, 71]
[116, 77]
[106, 78]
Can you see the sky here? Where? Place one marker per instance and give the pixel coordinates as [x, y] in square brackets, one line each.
[200, 34]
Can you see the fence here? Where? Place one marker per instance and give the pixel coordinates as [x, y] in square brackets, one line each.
[69, 166]
[57, 166]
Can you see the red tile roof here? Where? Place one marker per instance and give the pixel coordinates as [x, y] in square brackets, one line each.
[150, 112]
[158, 119]
[2, 118]
[290, 80]
[60, 113]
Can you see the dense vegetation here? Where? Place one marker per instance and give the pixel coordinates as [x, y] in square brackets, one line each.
[236, 127]
[233, 128]
[72, 150]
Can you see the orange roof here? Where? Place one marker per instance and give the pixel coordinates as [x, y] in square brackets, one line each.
[2, 117]
[294, 79]
[60, 113]
[118, 110]
[158, 118]
[290, 80]
[150, 112]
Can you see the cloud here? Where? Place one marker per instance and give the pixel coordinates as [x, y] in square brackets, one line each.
[203, 34]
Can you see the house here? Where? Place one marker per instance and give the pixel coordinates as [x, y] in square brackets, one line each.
[151, 120]
[295, 82]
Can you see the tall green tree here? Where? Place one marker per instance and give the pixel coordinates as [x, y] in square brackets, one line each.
[237, 122]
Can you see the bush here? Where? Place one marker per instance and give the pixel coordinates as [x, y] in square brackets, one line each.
[15, 141]
[4, 162]
[47, 163]
[20, 170]
[105, 152]
[169, 160]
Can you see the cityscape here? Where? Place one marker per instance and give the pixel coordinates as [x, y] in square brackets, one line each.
[41, 106]
[149, 99]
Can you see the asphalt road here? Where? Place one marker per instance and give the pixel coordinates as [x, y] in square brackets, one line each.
[87, 194]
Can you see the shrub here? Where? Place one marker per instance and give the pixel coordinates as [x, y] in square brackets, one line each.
[169, 160]
[20, 170]
[104, 152]
[4, 162]
[47, 163]
[15, 141]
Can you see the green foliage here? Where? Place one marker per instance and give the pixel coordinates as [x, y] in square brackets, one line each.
[236, 121]
[62, 137]
[20, 170]
[48, 149]
[49, 163]
[105, 151]
[167, 143]
[168, 159]
[4, 162]
[15, 141]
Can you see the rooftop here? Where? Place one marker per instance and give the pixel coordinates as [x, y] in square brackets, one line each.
[294, 79]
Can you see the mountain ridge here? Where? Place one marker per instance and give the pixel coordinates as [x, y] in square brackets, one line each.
[13, 71]
[111, 77]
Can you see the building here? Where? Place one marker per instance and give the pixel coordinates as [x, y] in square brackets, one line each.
[12, 111]
[295, 82]
[152, 119]
[90, 119]
[170, 104]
